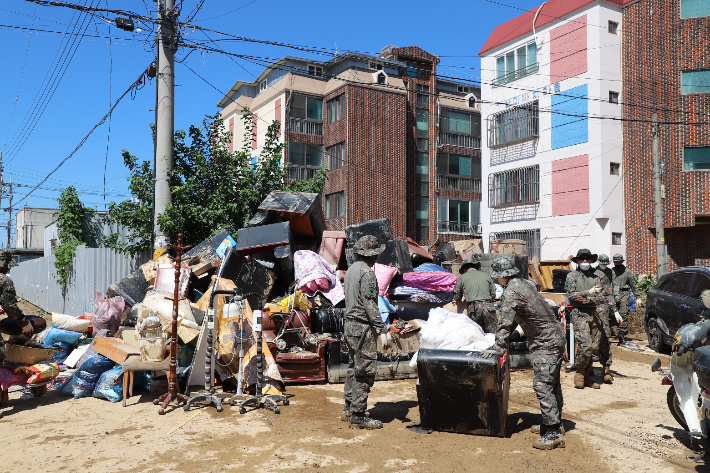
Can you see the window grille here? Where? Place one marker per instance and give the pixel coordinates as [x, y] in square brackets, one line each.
[531, 238]
[514, 125]
[514, 187]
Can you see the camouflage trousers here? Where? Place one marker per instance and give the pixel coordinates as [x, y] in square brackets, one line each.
[484, 314]
[589, 334]
[602, 334]
[624, 307]
[362, 363]
[546, 383]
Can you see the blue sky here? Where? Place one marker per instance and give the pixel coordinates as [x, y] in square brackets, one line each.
[455, 32]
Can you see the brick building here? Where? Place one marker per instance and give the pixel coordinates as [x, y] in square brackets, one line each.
[552, 161]
[398, 141]
[667, 71]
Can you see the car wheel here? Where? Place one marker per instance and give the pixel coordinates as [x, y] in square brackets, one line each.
[655, 337]
[674, 407]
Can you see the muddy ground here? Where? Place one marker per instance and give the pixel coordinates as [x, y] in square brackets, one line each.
[621, 427]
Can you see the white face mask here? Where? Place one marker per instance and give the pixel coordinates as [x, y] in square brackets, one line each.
[585, 266]
[603, 266]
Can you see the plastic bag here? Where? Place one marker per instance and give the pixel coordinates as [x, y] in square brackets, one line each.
[57, 334]
[110, 385]
[8, 378]
[39, 373]
[632, 302]
[68, 322]
[108, 313]
[88, 374]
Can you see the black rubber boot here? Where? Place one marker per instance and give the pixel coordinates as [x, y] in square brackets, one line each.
[552, 438]
[361, 421]
[622, 340]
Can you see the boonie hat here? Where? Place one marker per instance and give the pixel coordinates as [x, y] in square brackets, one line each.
[618, 257]
[503, 267]
[585, 252]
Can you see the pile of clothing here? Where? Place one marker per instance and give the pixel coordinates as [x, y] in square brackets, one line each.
[427, 283]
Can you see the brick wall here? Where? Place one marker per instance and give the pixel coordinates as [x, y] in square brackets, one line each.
[658, 45]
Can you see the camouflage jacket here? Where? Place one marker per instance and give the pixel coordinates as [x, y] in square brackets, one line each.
[624, 280]
[8, 300]
[475, 286]
[522, 304]
[609, 277]
[361, 293]
[579, 282]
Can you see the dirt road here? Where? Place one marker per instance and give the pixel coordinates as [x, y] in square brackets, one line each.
[622, 427]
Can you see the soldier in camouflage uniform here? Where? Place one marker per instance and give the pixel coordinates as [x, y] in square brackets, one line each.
[16, 323]
[587, 289]
[624, 285]
[477, 287]
[522, 304]
[363, 324]
[605, 311]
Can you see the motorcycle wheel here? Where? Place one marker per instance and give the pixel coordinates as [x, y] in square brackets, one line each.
[674, 407]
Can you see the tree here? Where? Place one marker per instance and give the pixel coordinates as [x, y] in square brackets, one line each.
[70, 232]
[212, 187]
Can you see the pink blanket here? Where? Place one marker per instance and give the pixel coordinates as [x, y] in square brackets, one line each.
[314, 274]
[435, 281]
[8, 378]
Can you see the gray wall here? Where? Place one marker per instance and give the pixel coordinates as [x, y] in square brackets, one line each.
[94, 270]
[29, 227]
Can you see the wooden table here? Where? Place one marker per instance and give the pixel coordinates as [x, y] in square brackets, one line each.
[134, 363]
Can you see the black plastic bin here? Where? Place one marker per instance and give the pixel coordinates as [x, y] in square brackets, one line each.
[460, 391]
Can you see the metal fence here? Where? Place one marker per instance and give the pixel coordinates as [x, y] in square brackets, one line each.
[514, 125]
[460, 140]
[531, 238]
[305, 126]
[463, 228]
[514, 187]
[94, 269]
[458, 183]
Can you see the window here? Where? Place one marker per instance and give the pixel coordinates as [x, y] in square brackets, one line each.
[305, 154]
[613, 97]
[613, 27]
[679, 283]
[376, 66]
[696, 158]
[700, 283]
[336, 156]
[694, 8]
[516, 64]
[336, 109]
[380, 77]
[472, 102]
[262, 86]
[462, 89]
[514, 125]
[514, 187]
[458, 216]
[460, 166]
[315, 70]
[460, 122]
[422, 122]
[335, 205]
[531, 238]
[422, 95]
[616, 239]
[695, 82]
[306, 107]
[614, 169]
[423, 143]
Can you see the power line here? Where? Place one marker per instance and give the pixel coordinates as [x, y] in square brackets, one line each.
[229, 12]
[134, 86]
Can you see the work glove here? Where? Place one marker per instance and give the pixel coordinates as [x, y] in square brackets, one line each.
[595, 291]
[618, 318]
[385, 340]
[28, 330]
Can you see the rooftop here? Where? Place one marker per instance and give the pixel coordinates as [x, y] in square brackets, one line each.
[523, 24]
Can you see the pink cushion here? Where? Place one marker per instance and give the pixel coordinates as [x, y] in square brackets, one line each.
[384, 275]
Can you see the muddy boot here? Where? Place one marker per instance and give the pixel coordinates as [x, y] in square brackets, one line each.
[622, 340]
[588, 383]
[361, 421]
[579, 378]
[608, 378]
[347, 412]
[552, 438]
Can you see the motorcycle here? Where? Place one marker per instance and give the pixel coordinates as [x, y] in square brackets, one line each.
[688, 397]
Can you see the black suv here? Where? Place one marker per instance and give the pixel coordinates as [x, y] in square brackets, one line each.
[673, 302]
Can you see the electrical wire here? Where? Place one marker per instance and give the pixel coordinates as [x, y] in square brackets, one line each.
[134, 86]
[110, 101]
[229, 12]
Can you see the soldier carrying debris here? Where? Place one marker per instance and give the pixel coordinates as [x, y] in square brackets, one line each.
[477, 287]
[522, 304]
[362, 322]
[624, 286]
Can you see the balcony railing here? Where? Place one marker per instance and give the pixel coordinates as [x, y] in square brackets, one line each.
[304, 126]
[458, 183]
[460, 140]
[517, 74]
[463, 228]
[513, 126]
[301, 173]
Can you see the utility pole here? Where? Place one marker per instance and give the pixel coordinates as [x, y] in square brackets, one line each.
[661, 261]
[9, 211]
[165, 117]
[1, 176]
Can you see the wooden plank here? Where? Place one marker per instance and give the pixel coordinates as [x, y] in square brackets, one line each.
[114, 349]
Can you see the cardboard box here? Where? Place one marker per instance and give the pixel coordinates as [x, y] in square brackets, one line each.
[114, 349]
[199, 266]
